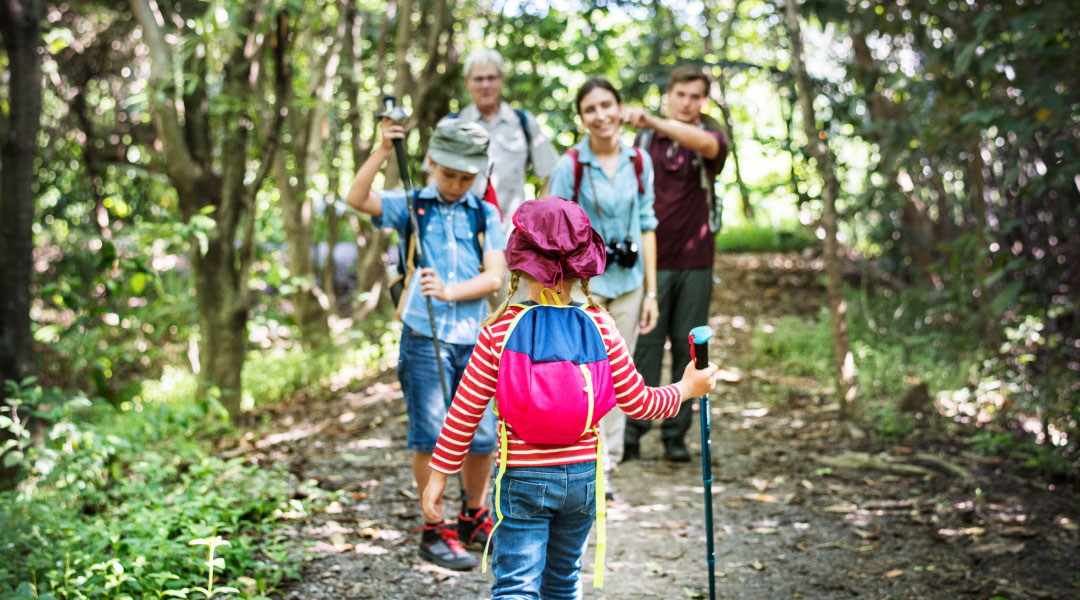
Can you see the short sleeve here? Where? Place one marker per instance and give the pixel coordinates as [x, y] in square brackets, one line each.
[562, 178]
[647, 215]
[717, 163]
[395, 210]
[494, 238]
[541, 152]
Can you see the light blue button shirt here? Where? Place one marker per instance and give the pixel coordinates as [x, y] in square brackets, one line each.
[450, 250]
[615, 197]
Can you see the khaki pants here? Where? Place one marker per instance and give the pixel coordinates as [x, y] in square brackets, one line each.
[626, 311]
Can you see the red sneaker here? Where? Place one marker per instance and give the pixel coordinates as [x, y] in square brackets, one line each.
[474, 532]
[439, 545]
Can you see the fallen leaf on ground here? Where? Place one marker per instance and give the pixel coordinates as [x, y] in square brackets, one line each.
[757, 566]
[762, 497]
[840, 508]
[1068, 524]
[867, 535]
[894, 573]
[998, 548]
[411, 495]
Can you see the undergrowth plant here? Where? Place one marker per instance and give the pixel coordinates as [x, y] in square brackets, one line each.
[897, 340]
[126, 502]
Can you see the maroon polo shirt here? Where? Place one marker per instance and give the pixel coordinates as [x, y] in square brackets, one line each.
[683, 240]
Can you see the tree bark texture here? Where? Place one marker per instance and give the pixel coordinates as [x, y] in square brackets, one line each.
[221, 271]
[843, 361]
[20, 23]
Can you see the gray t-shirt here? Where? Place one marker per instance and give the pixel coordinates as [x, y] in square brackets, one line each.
[507, 155]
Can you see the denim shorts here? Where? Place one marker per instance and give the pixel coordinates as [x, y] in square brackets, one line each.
[419, 376]
[547, 515]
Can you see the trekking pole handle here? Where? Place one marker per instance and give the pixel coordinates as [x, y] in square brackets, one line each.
[397, 113]
[699, 345]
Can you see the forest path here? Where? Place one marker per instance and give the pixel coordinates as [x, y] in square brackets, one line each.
[792, 519]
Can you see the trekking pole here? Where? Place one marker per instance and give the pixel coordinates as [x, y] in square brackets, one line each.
[397, 113]
[699, 353]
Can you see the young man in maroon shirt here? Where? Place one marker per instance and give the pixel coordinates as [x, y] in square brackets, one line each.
[688, 151]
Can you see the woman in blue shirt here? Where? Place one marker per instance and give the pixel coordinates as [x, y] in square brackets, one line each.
[613, 182]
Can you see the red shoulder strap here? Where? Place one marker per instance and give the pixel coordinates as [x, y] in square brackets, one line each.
[639, 169]
[578, 171]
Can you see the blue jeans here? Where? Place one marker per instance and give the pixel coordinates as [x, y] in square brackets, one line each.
[419, 376]
[547, 514]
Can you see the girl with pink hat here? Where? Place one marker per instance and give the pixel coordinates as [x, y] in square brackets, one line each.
[549, 396]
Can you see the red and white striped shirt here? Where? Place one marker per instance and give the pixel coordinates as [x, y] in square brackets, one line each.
[477, 389]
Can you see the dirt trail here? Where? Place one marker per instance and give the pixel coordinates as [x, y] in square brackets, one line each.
[789, 523]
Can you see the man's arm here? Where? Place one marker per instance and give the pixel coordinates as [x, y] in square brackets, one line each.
[689, 136]
[361, 197]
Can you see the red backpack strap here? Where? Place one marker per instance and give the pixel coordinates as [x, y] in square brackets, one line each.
[578, 171]
[489, 194]
[639, 169]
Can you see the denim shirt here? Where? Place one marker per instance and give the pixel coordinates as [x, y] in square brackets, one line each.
[450, 250]
[614, 198]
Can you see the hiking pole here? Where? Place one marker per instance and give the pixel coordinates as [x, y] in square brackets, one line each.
[699, 353]
[397, 113]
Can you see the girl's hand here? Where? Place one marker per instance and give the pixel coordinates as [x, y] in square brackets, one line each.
[650, 314]
[431, 285]
[698, 382]
[391, 130]
[431, 498]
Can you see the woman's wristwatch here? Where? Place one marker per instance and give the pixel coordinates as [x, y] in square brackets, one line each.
[651, 295]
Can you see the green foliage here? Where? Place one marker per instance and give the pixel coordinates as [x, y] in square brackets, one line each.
[882, 346]
[887, 423]
[128, 530]
[794, 346]
[755, 238]
[125, 502]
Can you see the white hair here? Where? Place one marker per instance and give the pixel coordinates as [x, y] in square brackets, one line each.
[483, 56]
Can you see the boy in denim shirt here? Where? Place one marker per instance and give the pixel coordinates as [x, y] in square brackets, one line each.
[458, 276]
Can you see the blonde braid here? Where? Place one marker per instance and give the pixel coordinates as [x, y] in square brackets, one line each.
[515, 277]
[592, 302]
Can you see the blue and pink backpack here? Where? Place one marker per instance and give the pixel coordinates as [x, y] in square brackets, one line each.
[554, 386]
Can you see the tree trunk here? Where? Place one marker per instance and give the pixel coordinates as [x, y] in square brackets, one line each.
[843, 361]
[729, 123]
[222, 326]
[20, 25]
[371, 243]
[308, 309]
[220, 271]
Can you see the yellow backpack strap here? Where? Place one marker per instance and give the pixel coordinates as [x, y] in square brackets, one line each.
[555, 301]
[513, 324]
[498, 493]
[601, 516]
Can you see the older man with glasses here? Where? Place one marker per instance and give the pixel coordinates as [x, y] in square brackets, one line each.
[516, 138]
